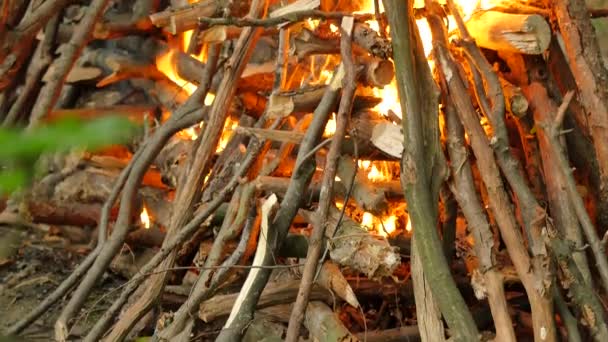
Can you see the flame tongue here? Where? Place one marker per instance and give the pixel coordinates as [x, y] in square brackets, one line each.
[144, 217]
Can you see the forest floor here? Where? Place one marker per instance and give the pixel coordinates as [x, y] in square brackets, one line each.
[30, 268]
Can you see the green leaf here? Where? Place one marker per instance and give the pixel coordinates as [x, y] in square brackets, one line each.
[12, 180]
[22, 149]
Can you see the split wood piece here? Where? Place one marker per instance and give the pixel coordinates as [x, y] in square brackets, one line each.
[273, 294]
[73, 214]
[582, 49]
[324, 325]
[520, 33]
[76, 199]
[331, 278]
[368, 196]
[279, 185]
[272, 134]
[123, 66]
[353, 246]
[428, 313]
[180, 19]
[516, 102]
[151, 178]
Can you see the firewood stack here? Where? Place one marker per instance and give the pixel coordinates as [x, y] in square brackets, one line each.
[326, 170]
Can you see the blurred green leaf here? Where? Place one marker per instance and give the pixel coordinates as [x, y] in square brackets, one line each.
[19, 150]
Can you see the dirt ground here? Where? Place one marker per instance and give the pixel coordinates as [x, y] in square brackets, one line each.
[31, 266]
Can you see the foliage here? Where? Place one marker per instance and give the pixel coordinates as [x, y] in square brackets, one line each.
[19, 150]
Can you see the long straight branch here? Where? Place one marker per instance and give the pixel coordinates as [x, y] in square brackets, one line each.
[419, 163]
[316, 244]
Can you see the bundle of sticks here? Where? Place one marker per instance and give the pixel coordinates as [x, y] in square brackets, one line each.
[301, 162]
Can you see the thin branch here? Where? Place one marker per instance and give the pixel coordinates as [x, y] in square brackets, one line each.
[421, 164]
[316, 244]
[291, 18]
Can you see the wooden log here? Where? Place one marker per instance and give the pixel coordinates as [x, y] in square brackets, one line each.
[324, 325]
[364, 192]
[264, 329]
[520, 33]
[370, 40]
[278, 185]
[353, 246]
[273, 294]
[515, 101]
[331, 278]
[180, 19]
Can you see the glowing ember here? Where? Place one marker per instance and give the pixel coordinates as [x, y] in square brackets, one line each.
[144, 218]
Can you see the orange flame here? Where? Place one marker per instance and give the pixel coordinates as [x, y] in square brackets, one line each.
[164, 63]
[376, 171]
[383, 226]
[144, 217]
